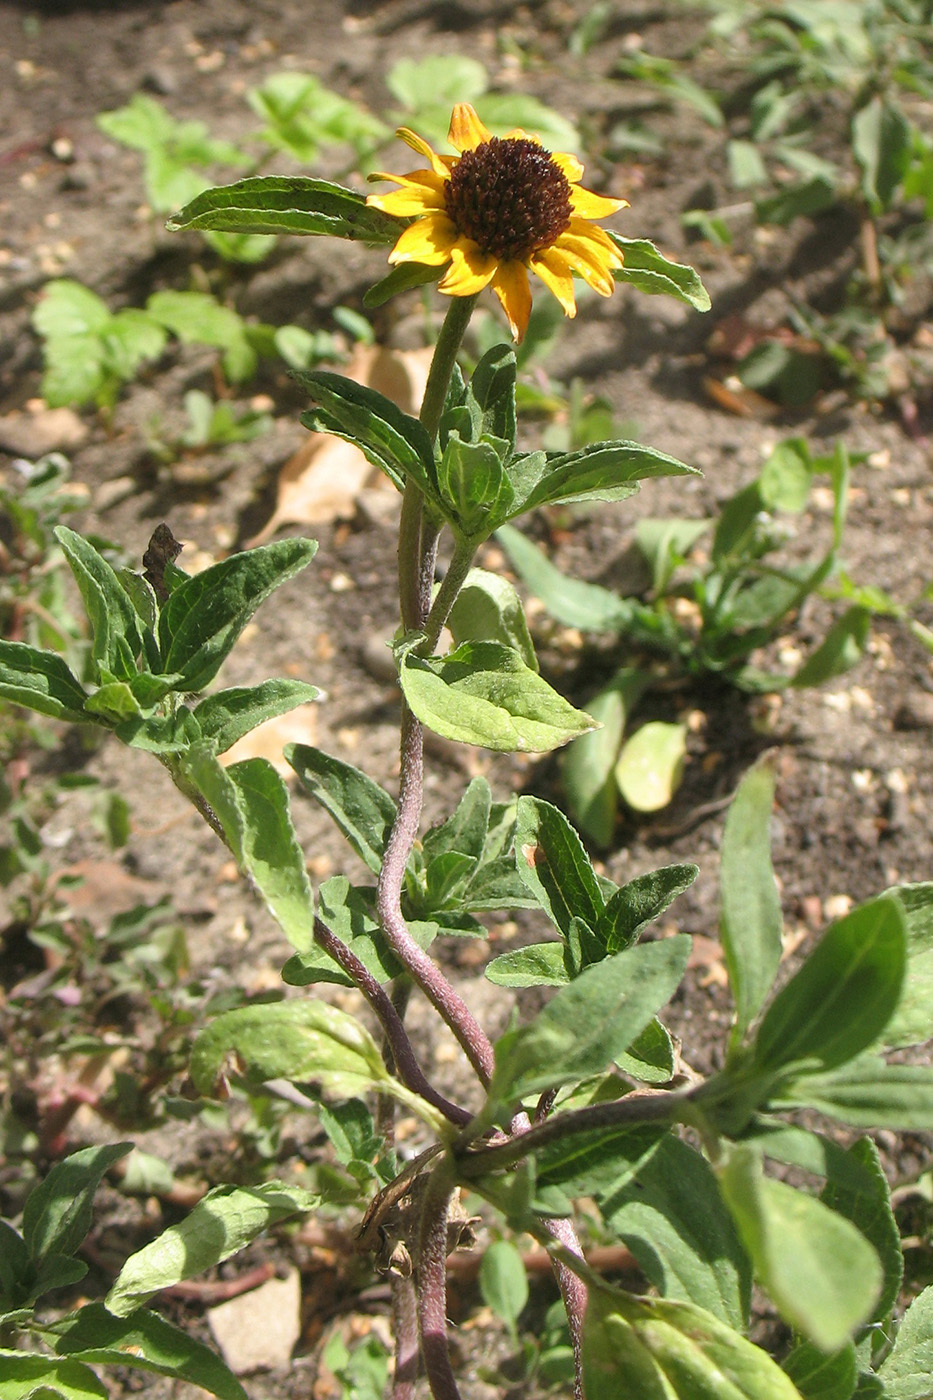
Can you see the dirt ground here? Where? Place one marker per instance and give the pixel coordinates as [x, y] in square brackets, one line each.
[855, 771]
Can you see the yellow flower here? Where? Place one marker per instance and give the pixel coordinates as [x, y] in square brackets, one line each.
[500, 209]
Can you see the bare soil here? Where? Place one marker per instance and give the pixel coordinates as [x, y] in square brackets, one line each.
[854, 759]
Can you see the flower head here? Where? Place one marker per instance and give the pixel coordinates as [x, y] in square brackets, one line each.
[500, 209]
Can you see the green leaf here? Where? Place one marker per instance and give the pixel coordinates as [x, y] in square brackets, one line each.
[650, 271]
[666, 544]
[751, 924]
[362, 810]
[251, 802]
[603, 471]
[229, 714]
[145, 1342]
[205, 615]
[302, 114]
[41, 681]
[870, 1212]
[571, 602]
[503, 1281]
[906, 1371]
[869, 1094]
[537, 965]
[389, 438]
[26, 1376]
[466, 829]
[639, 902]
[671, 1215]
[349, 912]
[599, 1161]
[660, 1349]
[912, 1022]
[296, 1040]
[821, 1377]
[55, 1271]
[404, 278]
[843, 645]
[587, 1024]
[650, 767]
[589, 763]
[650, 1058]
[882, 141]
[503, 112]
[439, 80]
[57, 1214]
[483, 693]
[15, 1268]
[554, 866]
[224, 1222]
[490, 395]
[803, 199]
[287, 204]
[197, 318]
[473, 487]
[840, 1000]
[116, 639]
[787, 476]
[822, 1274]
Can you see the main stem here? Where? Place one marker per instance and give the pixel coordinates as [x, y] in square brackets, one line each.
[418, 535]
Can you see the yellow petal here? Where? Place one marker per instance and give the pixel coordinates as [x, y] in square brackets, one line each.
[510, 285]
[597, 238]
[569, 165]
[470, 270]
[419, 144]
[428, 240]
[415, 196]
[588, 257]
[594, 206]
[466, 130]
[554, 271]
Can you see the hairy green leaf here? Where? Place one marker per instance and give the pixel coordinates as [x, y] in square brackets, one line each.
[287, 204]
[751, 923]
[204, 616]
[483, 693]
[362, 810]
[41, 681]
[57, 1214]
[840, 1000]
[820, 1271]
[224, 1222]
[146, 1342]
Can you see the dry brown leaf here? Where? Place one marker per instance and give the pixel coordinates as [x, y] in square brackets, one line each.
[321, 481]
[268, 740]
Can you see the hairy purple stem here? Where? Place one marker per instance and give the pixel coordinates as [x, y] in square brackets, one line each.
[572, 1288]
[405, 1331]
[406, 1064]
[573, 1292]
[422, 968]
[432, 1286]
[634, 1109]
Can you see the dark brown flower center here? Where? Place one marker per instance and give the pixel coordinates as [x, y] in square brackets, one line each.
[510, 197]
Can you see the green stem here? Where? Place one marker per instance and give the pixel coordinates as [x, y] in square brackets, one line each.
[442, 366]
[417, 538]
[459, 567]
